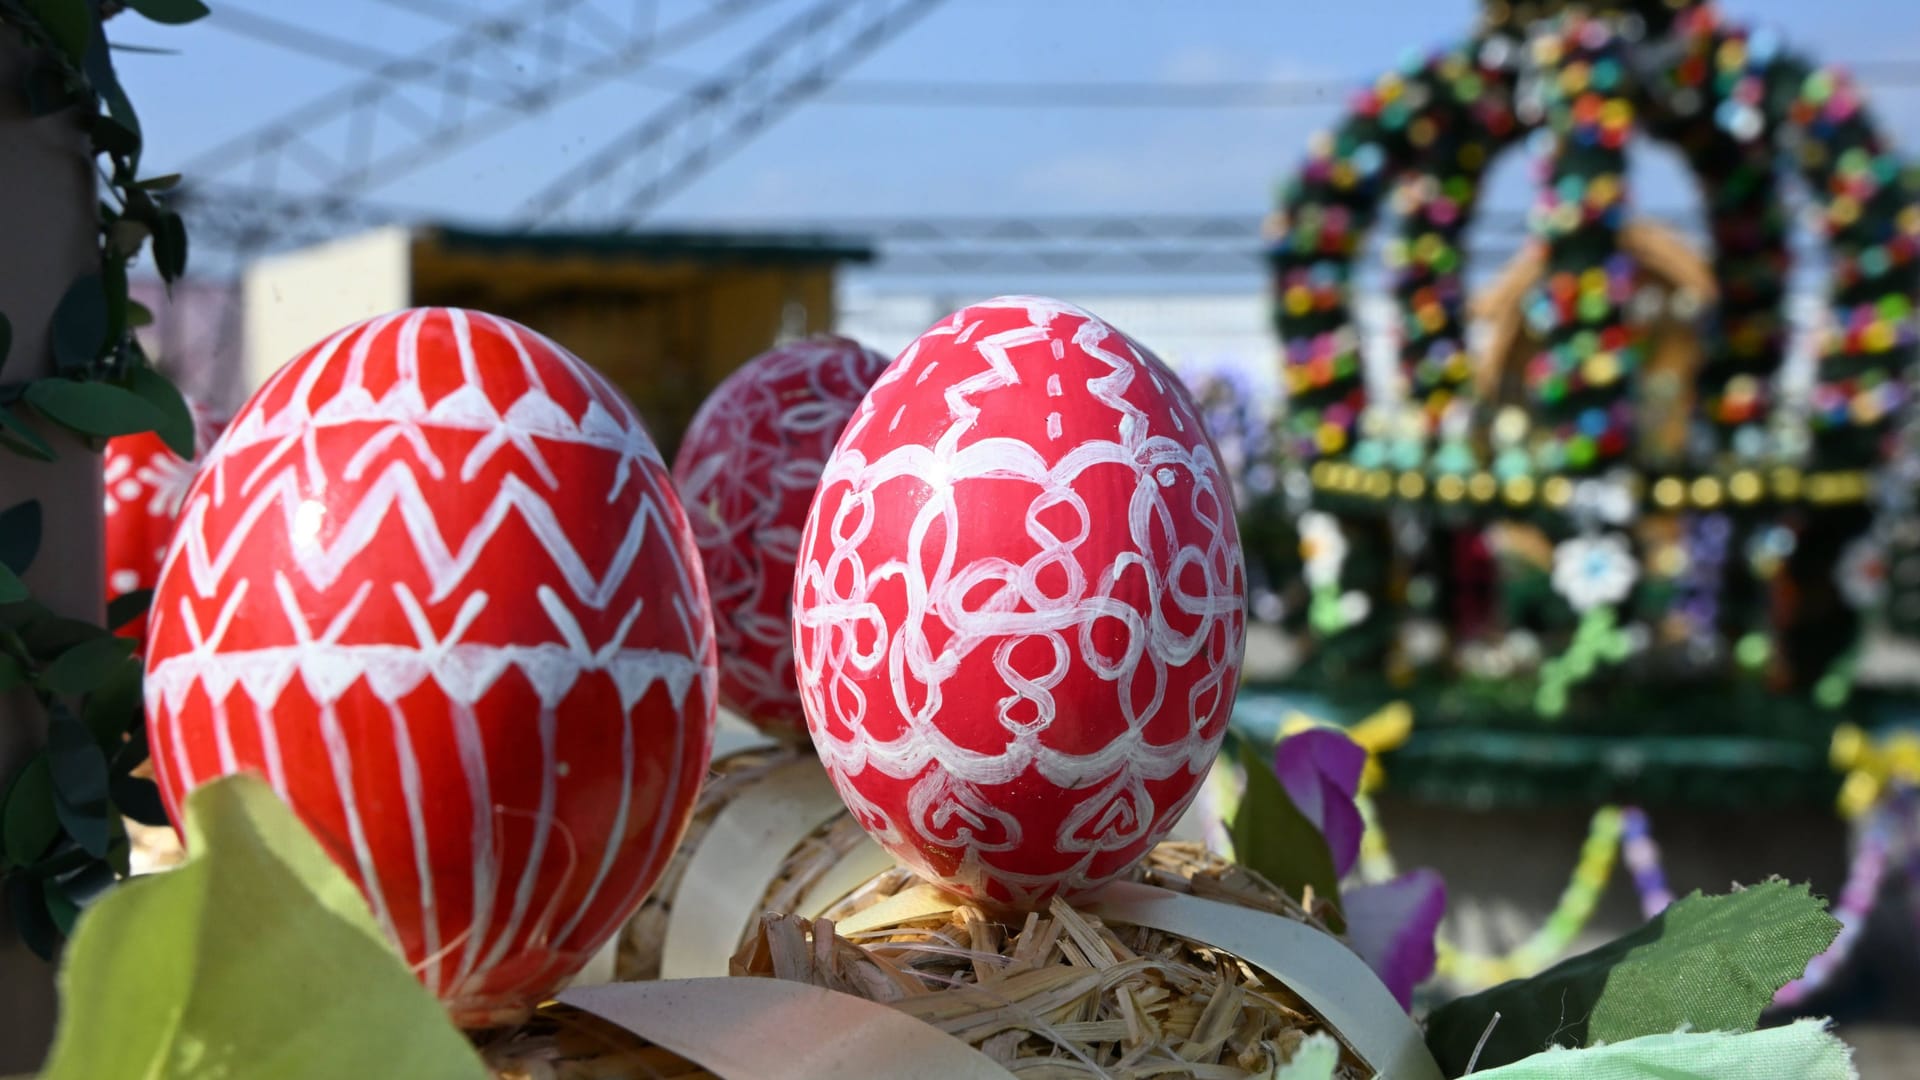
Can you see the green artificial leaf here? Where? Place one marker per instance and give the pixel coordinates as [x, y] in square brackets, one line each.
[257, 957]
[80, 793]
[21, 439]
[69, 22]
[158, 391]
[1709, 963]
[28, 825]
[1803, 1050]
[170, 246]
[1275, 840]
[12, 589]
[80, 324]
[20, 535]
[170, 12]
[127, 607]
[83, 667]
[93, 408]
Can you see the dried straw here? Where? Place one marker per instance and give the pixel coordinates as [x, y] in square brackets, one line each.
[1060, 994]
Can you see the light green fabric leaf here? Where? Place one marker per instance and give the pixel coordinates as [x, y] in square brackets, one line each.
[257, 957]
[1316, 1059]
[1804, 1050]
[1705, 964]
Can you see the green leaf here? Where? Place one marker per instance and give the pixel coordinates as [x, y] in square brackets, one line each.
[1275, 840]
[80, 324]
[70, 23]
[21, 439]
[110, 136]
[48, 635]
[158, 391]
[30, 920]
[190, 969]
[113, 706]
[60, 908]
[1709, 963]
[28, 825]
[80, 793]
[138, 314]
[1804, 1050]
[170, 12]
[160, 183]
[170, 246]
[20, 535]
[93, 408]
[11, 673]
[127, 607]
[12, 589]
[139, 799]
[85, 666]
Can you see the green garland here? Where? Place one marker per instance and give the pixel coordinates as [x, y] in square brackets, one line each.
[62, 839]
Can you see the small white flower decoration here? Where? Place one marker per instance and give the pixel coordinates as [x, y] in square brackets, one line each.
[1323, 547]
[1591, 571]
[1861, 574]
[1422, 641]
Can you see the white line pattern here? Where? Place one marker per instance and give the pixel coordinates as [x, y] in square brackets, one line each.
[747, 471]
[435, 584]
[1019, 613]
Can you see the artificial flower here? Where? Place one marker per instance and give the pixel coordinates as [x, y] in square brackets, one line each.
[1594, 571]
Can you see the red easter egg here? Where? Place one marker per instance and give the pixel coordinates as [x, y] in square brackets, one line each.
[1019, 612]
[746, 472]
[435, 586]
[145, 483]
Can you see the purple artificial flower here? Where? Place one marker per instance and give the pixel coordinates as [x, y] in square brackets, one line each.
[1392, 926]
[1320, 769]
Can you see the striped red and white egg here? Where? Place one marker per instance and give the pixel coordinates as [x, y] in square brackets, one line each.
[145, 483]
[746, 472]
[435, 586]
[1019, 612]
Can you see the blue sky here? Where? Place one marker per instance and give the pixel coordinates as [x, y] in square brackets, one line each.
[841, 160]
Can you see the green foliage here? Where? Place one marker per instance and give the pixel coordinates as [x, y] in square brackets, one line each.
[1706, 963]
[62, 841]
[1804, 1050]
[189, 969]
[1275, 840]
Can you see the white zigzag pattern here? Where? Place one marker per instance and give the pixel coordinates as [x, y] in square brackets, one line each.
[947, 807]
[273, 491]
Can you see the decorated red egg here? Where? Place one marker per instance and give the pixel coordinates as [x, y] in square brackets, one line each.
[435, 586]
[1019, 610]
[746, 473]
[145, 483]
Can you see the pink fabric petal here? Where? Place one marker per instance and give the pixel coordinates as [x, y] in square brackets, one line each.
[1320, 769]
[1392, 926]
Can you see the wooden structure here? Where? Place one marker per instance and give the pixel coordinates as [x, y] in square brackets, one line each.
[665, 315]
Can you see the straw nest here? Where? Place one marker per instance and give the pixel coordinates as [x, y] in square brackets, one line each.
[1060, 994]
[645, 934]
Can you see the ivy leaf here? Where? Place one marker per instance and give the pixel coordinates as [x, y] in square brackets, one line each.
[12, 591]
[80, 794]
[20, 535]
[1275, 840]
[170, 12]
[83, 667]
[80, 324]
[127, 607]
[27, 822]
[158, 391]
[1709, 963]
[17, 436]
[93, 408]
[170, 246]
[70, 24]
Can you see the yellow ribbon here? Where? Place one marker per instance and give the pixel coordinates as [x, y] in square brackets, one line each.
[1871, 764]
[1385, 730]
